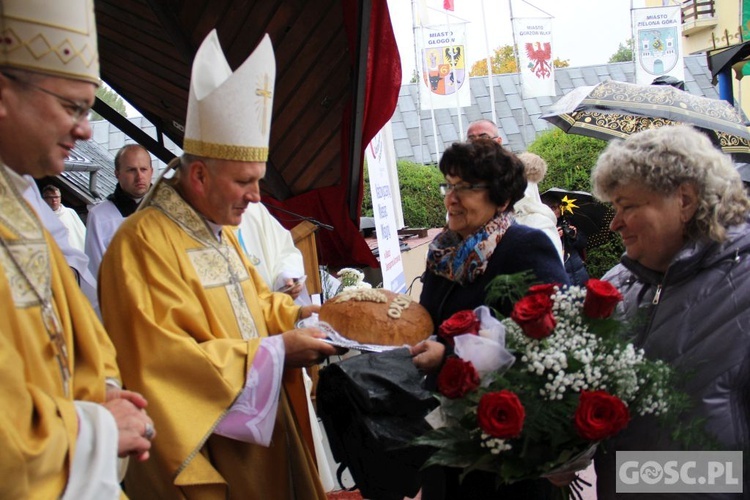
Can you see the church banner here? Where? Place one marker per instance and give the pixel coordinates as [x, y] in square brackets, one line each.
[657, 44]
[534, 39]
[445, 77]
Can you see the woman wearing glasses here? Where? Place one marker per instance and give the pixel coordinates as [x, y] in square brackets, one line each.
[480, 241]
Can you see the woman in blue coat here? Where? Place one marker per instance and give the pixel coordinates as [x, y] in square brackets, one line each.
[481, 241]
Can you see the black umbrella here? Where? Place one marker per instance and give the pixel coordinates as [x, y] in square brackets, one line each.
[580, 209]
[614, 110]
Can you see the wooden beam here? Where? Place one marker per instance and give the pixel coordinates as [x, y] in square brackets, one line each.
[135, 133]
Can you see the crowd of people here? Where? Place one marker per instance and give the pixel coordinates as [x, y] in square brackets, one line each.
[184, 381]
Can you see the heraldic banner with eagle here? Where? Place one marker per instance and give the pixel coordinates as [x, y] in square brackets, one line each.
[534, 39]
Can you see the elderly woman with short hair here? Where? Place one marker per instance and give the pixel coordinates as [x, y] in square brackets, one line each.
[682, 212]
[481, 241]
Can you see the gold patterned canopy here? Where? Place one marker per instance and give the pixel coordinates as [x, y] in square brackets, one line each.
[614, 110]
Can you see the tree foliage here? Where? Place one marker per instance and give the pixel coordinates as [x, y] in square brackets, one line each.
[624, 52]
[569, 157]
[560, 63]
[111, 98]
[504, 61]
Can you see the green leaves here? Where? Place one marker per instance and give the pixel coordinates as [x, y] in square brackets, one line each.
[421, 200]
[455, 446]
[509, 287]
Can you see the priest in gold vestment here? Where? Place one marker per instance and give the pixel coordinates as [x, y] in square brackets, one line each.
[193, 321]
[64, 418]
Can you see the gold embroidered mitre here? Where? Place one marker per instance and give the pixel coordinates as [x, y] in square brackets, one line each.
[229, 114]
[56, 38]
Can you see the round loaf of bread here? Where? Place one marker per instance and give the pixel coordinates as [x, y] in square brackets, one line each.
[377, 316]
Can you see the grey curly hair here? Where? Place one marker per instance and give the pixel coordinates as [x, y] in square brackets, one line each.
[662, 159]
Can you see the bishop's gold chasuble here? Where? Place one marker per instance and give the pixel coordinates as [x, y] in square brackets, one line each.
[53, 349]
[186, 313]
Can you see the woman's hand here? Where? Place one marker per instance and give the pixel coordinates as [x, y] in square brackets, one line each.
[428, 355]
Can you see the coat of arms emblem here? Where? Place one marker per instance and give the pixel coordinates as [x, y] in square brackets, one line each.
[658, 49]
[444, 69]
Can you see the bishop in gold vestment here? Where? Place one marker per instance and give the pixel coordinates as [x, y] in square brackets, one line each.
[38, 423]
[64, 418]
[186, 313]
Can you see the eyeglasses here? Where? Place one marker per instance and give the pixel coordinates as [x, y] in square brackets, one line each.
[460, 189]
[473, 137]
[76, 110]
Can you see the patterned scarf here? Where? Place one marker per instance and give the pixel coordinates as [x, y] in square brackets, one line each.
[463, 261]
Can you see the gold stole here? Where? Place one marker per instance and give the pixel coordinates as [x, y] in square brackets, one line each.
[26, 262]
[29, 247]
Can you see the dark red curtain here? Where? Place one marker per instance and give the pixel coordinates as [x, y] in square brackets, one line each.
[344, 246]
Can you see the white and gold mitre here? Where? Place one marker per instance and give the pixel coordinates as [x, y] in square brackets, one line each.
[53, 37]
[229, 114]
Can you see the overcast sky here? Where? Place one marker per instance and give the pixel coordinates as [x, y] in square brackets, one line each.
[586, 32]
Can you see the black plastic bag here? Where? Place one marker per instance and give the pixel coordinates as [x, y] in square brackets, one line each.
[373, 406]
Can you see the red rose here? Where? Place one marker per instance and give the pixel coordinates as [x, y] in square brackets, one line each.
[457, 378]
[501, 414]
[545, 289]
[601, 299]
[458, 324]
[533, 314]
[600, 415]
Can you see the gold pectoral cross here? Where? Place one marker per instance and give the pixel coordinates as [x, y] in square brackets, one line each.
[266, 94]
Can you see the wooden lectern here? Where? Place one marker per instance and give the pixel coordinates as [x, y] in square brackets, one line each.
[303, 235]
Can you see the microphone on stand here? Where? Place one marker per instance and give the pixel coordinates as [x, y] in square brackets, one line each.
[301, 217]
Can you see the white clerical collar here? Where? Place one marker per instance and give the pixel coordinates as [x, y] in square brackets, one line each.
[215, 228]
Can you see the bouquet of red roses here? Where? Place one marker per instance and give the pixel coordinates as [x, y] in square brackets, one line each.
[564, 379]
